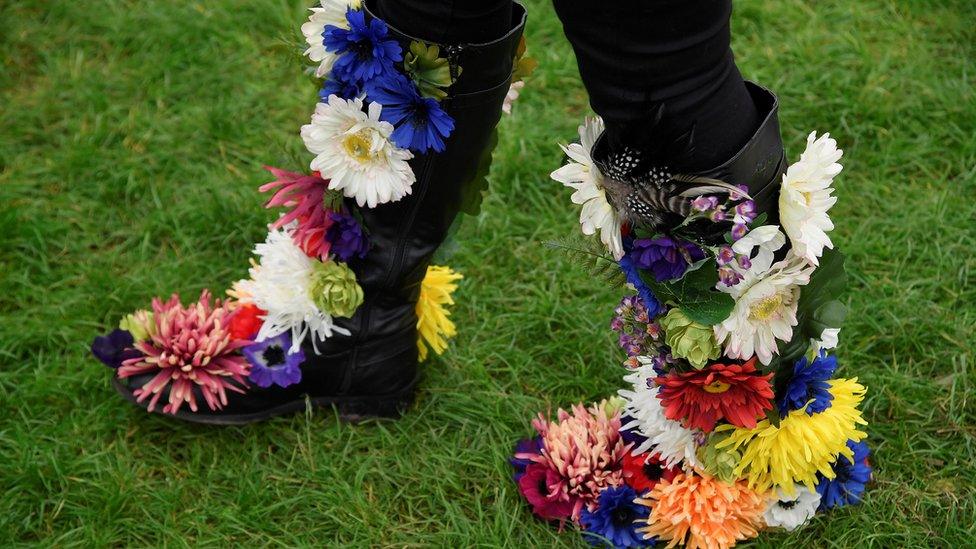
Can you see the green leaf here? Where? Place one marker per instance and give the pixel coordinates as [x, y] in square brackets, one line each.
[695, 294]
[591, 255]
[819, 306]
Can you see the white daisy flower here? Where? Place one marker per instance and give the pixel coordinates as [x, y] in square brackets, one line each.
[791, 512]
[512, 95]
[581, 174]
[805, 197]
[675, 443]
[280, 284]
[355, 153]
[760, 244]
[765, 309]
[332, 12]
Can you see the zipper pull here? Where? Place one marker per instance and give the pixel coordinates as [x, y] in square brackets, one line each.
[453, 54]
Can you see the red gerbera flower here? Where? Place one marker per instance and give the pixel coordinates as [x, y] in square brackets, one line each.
[733, 392]
[643, 471]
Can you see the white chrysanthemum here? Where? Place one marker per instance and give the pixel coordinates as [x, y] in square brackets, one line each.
[805, 197]
[512, 95]
[765, 309]
[791, 512]
[280, 284]
[581, 174]
[355, 153]
[332, 12]
[829, 339]
[675, 443]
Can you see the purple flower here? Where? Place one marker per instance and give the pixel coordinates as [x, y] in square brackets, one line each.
[725, 255]
[704, 203]
[717, 215]
[745, 212]
[665, 257]
[364, 50]
[272, 364]
[525, 446]
[745, 262]
[739, 230]
[114, 348]
[729, 276]
[345, 235]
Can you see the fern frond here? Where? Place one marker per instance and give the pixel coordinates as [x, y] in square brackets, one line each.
[590, 255]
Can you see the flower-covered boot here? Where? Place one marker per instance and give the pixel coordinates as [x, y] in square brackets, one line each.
[341, 299]
[733, 418]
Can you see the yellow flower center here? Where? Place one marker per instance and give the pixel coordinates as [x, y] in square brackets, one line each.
[357, 146]
[766, 308]
[808, 198]
[716, 387]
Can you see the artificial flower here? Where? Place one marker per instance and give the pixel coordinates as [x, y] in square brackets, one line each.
[736, 393]
[434, 325]
[688, 339]
[115, 348]
[791, 511]
[809, 388]
[702, 512]
[191, 350]
[527, 446]
[540, 485]
[246, 320]
[331, 12]
[512, 95]
[354, 152]
[829, 339]
[764, 311]
[642, 472]
[584, 450]
[584, 176]
[430, 72]
[421, 123]
[801, 445]
[273, 362]
[140, 324]
[759, 245]
[281, 285]
[805, 197]
[334, 289]
[719, 462]
[665, 257]
[654, 307]
[668, 438]
[364, 51]
[637, 332]
[305, 195]
[346, 237]
[337, 85]
[850, 475]
[614, 521]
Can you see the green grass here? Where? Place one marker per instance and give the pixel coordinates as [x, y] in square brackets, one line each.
[132, 136]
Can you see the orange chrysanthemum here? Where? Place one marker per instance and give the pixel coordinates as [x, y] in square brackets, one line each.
[702, 512]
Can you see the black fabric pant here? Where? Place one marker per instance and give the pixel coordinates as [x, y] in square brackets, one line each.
[633, 56]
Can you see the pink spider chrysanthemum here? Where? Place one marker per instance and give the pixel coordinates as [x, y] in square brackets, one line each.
[584, 453]
[191, 348]
[305, 195]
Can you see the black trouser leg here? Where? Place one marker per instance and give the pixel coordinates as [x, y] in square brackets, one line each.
[636, 56]
[448, 21]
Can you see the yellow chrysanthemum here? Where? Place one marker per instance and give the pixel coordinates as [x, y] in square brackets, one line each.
[802, 445]
[433, 317]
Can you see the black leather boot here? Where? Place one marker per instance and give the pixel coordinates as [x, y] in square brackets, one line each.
[652, 181]
[373, 371]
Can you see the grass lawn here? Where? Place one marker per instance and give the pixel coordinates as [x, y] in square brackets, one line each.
[132, 136]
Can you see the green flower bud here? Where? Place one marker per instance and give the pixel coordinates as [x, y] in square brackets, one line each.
[140, 324]
[334, 289]
[720, 463]
[688, 339]
[428, 70]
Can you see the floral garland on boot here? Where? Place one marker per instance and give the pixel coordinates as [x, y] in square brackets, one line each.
[379, 107]
[732, 420]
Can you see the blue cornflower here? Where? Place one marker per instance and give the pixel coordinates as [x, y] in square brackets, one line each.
[525, 446]
[421, 123]
[272, 364]
[633, 277]
[341, 88]
[364, 50]
[849, 480]
[614, 523]
[810, 383]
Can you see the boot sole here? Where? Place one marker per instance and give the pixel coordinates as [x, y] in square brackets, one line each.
[350, 409]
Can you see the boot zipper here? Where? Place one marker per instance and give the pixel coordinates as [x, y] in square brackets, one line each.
[453, 54]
